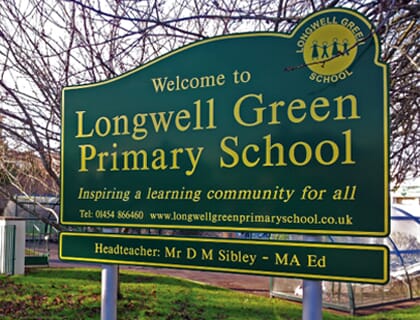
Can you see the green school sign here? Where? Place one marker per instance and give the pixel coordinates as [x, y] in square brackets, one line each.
[248, 132]
[314, 261]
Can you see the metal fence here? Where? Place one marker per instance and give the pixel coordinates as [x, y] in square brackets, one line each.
[37, 243]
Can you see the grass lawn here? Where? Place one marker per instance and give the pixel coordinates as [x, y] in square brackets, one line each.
[58, 293]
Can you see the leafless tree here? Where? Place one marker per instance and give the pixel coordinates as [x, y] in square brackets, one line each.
[46, 45]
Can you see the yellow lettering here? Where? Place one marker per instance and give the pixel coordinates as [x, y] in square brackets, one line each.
[230, 152]
[102, 126]
[182, 115]
[87, 153]
[318, 103]
[80, 133]
[268, 152]
[347, 149]
[340, 106]
[245, 158]
[296, 104]
[134, 156]
[258, 111]
[334, 154]
[307, 157]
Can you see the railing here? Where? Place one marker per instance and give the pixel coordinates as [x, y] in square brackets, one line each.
[37, 243]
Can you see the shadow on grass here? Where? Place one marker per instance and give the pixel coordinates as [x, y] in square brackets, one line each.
[125, 277]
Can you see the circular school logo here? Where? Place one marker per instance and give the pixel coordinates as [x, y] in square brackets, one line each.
[330, 50]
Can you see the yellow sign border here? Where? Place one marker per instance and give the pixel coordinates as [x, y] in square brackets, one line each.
[341, 246]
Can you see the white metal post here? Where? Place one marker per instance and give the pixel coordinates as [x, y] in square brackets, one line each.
[312, 300]
[312, 294]
[109, 289]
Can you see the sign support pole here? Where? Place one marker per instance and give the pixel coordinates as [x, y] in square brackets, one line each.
[312, 300]
[312, 295]
[109, 289]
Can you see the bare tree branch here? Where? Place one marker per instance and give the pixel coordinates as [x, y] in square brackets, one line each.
[46, 45]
